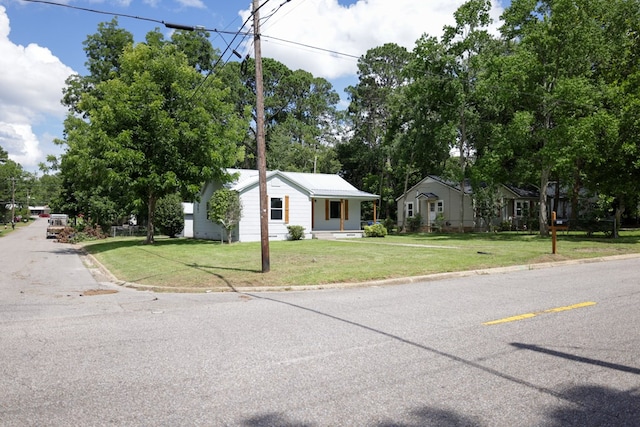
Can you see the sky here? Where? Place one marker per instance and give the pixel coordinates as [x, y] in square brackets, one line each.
[41, 45]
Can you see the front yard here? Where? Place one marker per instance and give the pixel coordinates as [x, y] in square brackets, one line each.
[198, 265]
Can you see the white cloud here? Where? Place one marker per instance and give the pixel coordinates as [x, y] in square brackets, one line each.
[21, 144]
[352, 30]
[31, 85]
[192, 3]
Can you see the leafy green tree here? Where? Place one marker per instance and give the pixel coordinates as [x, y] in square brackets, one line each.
[300, 116]
[547, 80]
[143, 134]
[225, 208]
[444, 75]
[170, 215]
[366, 157]
[615, 170]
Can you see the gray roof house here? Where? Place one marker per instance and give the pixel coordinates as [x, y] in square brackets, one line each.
[324, 204]
[440, 203]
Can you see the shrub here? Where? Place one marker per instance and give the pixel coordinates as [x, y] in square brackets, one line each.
[225, 209]
[169, 215]
[389, 224]
[296, 232]
[375, 230]
[414, 223]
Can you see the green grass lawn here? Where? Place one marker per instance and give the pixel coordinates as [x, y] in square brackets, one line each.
[201, 265]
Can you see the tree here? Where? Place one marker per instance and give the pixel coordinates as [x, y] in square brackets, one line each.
[170, 215]
[300, 116]
[366, 156]
[546, 78]
[143, 134]
[615, 171]
[443, 76]
[225, 208]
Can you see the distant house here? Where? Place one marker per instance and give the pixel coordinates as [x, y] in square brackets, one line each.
[440, 202]
[559, 199]
[518, 205]
[39, 210]
[325, 205]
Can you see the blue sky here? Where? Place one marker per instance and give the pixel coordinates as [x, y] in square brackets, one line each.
[41, 45]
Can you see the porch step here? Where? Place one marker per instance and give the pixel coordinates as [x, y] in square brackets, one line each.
[324, 236]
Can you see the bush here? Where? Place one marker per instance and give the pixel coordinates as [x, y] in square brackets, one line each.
[389, 224]
[375, 230]
[169, 215]
[414, 223]
[296, 232]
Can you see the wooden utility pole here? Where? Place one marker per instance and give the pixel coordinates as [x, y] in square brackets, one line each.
[262, 159]
[13, 200]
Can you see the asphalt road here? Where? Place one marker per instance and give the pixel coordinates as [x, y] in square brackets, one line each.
[551, 347]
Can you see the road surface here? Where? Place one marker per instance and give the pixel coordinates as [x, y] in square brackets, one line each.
[551, 347]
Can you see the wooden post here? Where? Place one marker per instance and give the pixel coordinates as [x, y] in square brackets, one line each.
[374, 211]
[553, 232]
[260, 142]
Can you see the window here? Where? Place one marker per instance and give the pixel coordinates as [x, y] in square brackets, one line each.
[440, 205]
[409, 209]
[519, 208]
[276, 208]
[334, 209]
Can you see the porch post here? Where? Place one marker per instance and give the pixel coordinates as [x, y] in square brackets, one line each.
[313, 214]
[375, 215]
[341, 214]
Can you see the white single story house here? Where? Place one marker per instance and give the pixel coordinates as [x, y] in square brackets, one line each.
[324, 204]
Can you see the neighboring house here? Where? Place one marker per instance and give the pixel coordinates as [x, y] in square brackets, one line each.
[518, 205]
[39, 210]
[439, 203]
[324, 204]
[559, 199]
[187, 208]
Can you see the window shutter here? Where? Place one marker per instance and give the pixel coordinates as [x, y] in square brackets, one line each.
[346, 210]
[286, 209]
[326, 209]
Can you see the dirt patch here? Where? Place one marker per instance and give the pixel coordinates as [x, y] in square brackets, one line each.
[549, 258]
[92, 292]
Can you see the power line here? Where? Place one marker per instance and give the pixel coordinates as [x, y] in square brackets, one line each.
[333, 52]
[202, 28]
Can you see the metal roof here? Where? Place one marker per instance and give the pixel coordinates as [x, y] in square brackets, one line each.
[318, 185]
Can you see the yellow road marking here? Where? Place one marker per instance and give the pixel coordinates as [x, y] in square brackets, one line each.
[530, 315]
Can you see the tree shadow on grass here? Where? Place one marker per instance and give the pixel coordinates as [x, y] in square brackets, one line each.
[106, 245]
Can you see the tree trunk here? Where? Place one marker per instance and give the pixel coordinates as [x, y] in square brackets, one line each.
[151, 216]
[618, 217]
[544, 183]
[463, 165]
[575, 196]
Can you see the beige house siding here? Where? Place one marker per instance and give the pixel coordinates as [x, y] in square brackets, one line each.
[438, 204]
